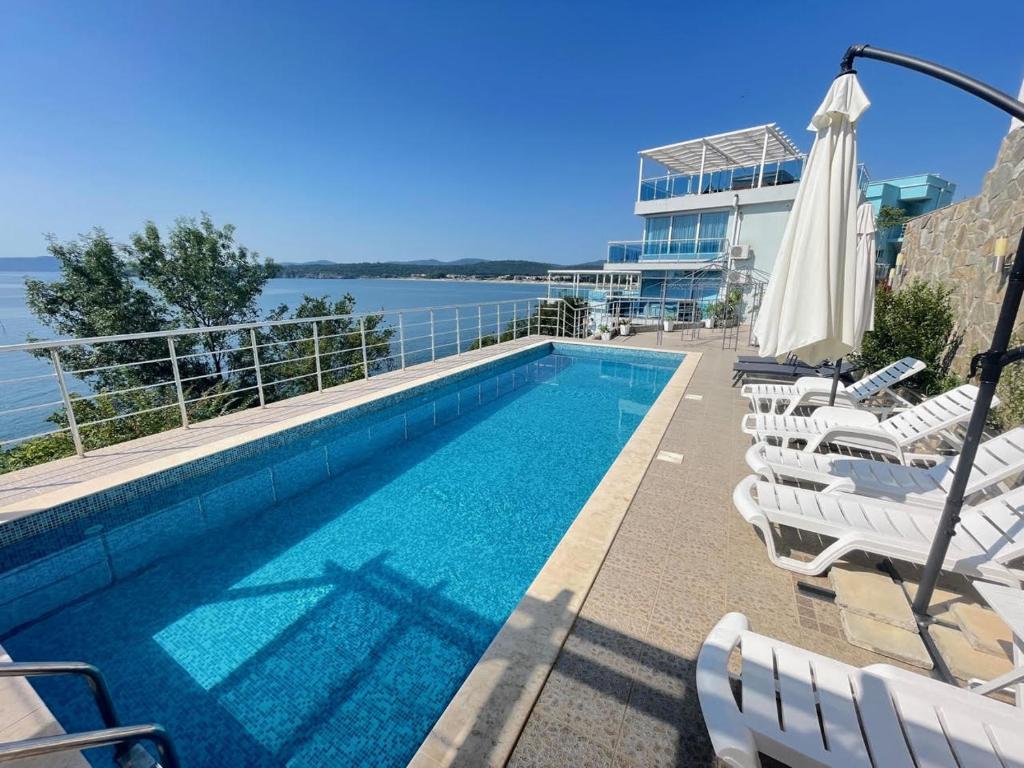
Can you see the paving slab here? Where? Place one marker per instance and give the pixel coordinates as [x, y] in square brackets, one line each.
[885, 639]
[943, 601]
[872, 594]
[984, 630]
[963, 660]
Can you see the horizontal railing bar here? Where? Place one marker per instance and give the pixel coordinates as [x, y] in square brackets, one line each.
[20, 379]
[10, 440]
[111, 393]
[221, 394]
[31, 407]
[178, 332]
[216, 375]
[287, 360]
[290, 378]
[286, 341]
[127, 415]
[223, 351]
[116, 365]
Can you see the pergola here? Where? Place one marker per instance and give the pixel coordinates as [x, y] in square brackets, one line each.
[749, 147]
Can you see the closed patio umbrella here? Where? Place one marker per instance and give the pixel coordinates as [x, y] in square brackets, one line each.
[810, 306]
[864, 287]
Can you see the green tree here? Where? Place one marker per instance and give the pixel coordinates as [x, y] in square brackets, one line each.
[915, 321]
[204, 275]
[96, 296]
[890, 216]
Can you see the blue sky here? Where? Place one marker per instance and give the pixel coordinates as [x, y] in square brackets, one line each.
[380, 131]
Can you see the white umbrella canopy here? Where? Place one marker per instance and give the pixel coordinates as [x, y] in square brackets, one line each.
[864, 288]
[809, 306]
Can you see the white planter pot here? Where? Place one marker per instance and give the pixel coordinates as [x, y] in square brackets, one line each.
[709, 322]
[668, 325]
[623, 330]
[607, 336]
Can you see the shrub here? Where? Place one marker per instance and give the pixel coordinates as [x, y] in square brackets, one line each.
[1010, 412]
[916, 321]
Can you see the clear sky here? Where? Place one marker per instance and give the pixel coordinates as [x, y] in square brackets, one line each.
[432, 129]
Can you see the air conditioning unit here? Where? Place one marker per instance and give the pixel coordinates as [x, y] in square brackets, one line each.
[740, 252]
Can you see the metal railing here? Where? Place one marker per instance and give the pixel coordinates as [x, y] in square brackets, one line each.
[176, 377]
[123, 738]
[631, 251]
[728, 180]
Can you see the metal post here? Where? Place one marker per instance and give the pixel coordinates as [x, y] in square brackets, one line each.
[66, 397]
[401, 340]
[433, 348]
[640, 181]
[316, 357]
[515, 320]
[177, 381]
[700, 178]
[458, 332]
[362, 345]
[764, 156]
[497, 320]
[256, 366]
[479, 325]
[835, 381]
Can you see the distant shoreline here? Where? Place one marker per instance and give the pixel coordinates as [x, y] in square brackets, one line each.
[504, 281]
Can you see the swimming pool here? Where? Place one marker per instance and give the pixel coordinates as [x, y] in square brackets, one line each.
[319, 603]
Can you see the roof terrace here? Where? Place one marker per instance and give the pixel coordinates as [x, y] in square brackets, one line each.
[750, 158]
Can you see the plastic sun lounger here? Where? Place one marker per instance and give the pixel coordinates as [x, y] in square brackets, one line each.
[862, 430]
[989, 536]
[805, 709]
[813, 392]
[766, 367]
[999, 458]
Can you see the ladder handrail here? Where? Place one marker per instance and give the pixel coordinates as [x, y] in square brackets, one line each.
[107, 737]
[92, 674]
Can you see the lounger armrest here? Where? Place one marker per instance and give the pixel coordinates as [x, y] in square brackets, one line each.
[732, 740]
[864, 438]
[815, 384]
[819, 399]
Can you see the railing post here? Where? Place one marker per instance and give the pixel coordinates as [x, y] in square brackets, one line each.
[433, 346]
[362, 345]
[256, 366]
[316, 357]
[497, 322]
[458, 332]
[479, 326]
[515, 320]
[66, 397]
[177, 381]
[401, 340]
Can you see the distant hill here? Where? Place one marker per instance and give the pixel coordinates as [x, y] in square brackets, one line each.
[430, 268]
[29, 264]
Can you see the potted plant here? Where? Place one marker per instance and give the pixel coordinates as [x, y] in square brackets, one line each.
[713, 312]
[624, 328]
[668, 322]
[606, 333]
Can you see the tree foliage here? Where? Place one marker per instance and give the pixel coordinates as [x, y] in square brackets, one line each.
[890, 216]
[915, 321]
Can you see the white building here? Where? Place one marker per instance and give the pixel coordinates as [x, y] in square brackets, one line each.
[713, 208]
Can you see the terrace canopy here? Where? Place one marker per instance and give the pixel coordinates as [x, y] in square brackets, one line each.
[748, 147]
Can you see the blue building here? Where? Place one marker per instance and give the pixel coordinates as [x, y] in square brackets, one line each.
[915, 196]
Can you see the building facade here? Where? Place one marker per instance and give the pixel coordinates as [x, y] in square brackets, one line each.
[915, 196]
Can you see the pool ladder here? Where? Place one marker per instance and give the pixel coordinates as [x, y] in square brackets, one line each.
[124, 738]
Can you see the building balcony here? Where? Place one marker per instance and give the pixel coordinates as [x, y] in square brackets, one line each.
[732, 180]
[639, 251]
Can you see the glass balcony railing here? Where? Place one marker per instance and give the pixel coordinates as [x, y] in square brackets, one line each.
[634, 251]
[734, 179]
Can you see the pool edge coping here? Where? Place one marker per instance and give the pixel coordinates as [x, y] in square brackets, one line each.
[42, 501]
[484, 719]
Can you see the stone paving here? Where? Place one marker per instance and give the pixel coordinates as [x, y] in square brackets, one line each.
[622, 691]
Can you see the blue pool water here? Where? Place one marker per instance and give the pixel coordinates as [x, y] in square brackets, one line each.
[332, 626]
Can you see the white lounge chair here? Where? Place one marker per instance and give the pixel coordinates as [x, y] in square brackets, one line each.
[805, 709]
[862, 430]
[999, 458]
[813, 391]
[989, 537]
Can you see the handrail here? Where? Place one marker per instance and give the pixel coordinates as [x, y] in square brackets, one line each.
[91, 673]
[107, 737]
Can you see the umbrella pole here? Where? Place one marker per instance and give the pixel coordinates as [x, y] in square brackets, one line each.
[835, 381]
[991, 362]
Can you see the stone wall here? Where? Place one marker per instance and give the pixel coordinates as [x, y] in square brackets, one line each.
[955, 246]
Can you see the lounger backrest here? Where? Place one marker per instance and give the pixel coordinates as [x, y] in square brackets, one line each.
[933, 415]
[998, 525]
[999, 458]
[884, 378]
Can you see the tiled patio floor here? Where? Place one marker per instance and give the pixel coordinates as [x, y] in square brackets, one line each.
[622, 691]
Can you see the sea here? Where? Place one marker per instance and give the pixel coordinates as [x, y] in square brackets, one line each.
[17, 324]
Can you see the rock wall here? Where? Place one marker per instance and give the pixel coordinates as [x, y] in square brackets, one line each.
[956, 246]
